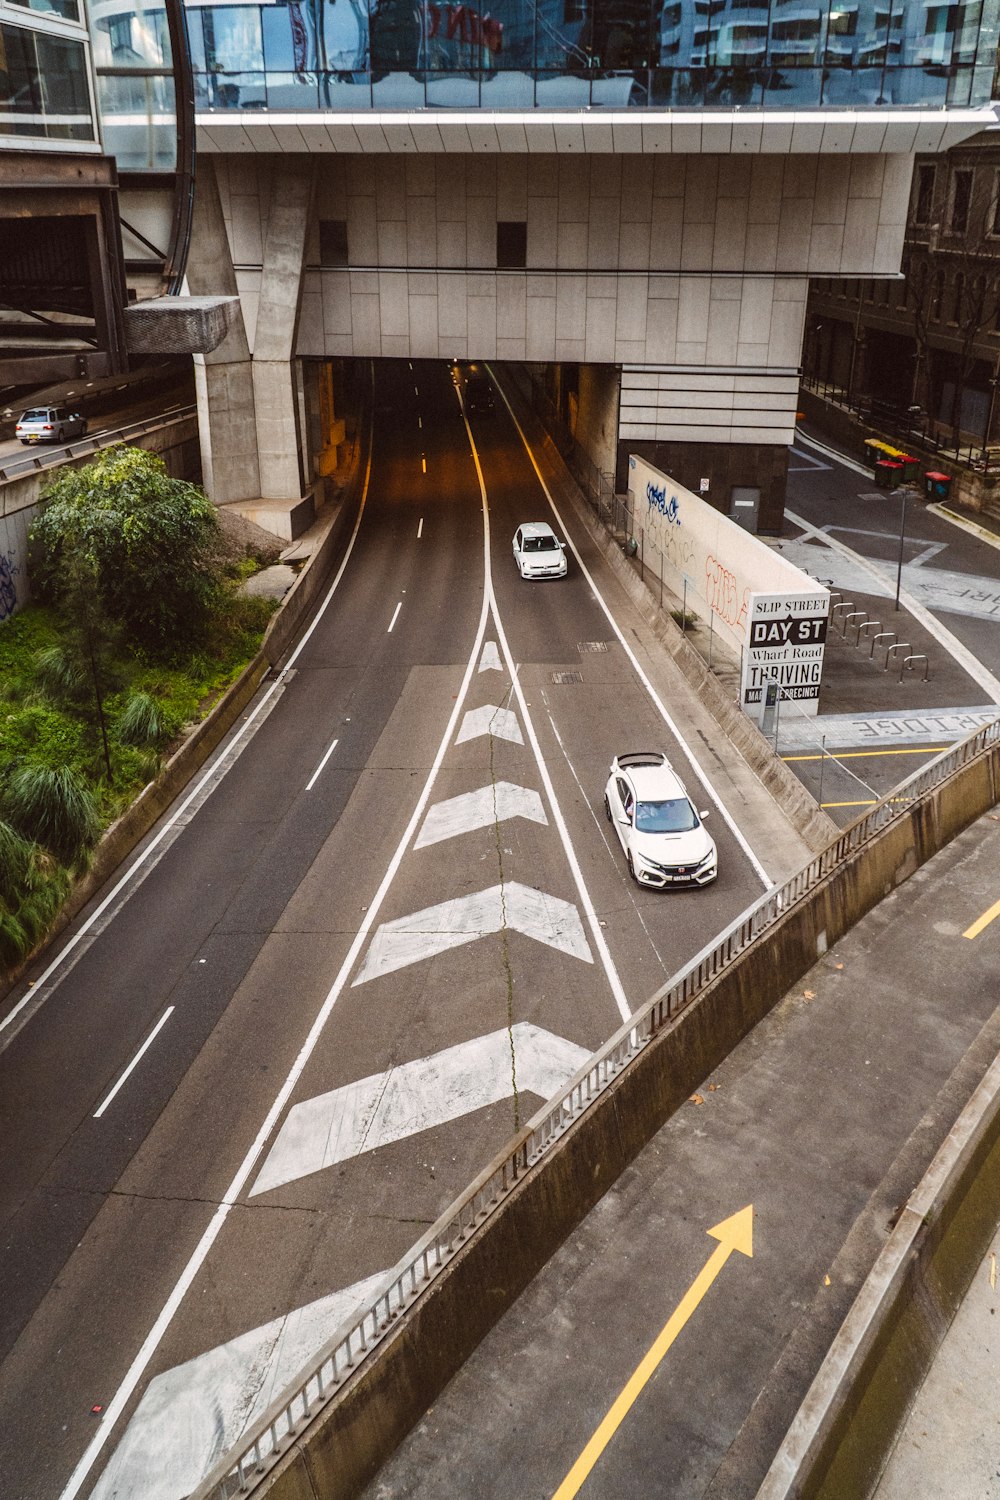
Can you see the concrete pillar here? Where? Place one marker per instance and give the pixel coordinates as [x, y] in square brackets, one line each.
[275, 397]
[223, 379]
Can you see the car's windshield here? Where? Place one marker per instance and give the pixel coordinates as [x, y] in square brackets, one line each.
[675, 816]
[540, 543]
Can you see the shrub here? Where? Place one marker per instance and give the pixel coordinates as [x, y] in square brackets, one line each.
[142, 721]
[51, 806]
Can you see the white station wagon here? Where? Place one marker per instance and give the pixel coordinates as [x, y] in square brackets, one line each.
[664, 839]
[538, 552]
[49, 424]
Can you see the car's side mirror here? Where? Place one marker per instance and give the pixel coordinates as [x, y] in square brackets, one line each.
[703, 815]
[563, 546]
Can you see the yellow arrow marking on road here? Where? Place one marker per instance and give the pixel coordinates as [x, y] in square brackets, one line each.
[983, 921]
[734, 1233]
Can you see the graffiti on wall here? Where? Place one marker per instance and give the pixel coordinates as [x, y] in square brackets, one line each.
[724, 595]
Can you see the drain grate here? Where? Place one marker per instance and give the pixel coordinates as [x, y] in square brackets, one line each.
[583, 646]
[567, 677]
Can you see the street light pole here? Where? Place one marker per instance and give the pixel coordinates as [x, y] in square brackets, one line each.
[904, 495]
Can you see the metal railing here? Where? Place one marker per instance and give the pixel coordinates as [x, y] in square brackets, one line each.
[935, 436]
[16, 468]
[245, 1465]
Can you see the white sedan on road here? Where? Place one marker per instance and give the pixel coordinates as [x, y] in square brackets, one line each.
[664, 839]
[538, 552]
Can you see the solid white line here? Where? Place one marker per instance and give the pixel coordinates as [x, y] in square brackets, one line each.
[224, 750]
[136, 1059]
[971, 664]
[395, 617]
[315, 775]
[420, 422]
[138, 1366]
[730, 821]
[420, 528]
[840, 458]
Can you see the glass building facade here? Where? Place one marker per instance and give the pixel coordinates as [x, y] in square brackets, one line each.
[45, 80]
[297, 55]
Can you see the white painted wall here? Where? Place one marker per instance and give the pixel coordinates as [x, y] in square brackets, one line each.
[722, 563]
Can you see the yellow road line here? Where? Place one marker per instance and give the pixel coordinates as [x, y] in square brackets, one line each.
[866, 754]
[868, 802]
[983, 921]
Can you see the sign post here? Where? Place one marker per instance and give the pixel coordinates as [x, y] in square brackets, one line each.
[786, 635]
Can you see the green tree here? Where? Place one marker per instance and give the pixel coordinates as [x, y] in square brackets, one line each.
[144, 542]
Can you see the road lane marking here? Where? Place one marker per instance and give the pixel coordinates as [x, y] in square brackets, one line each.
[135, 1061]
[655, 699]
[867, 802]
[501, 723]
[216, 768]
[423, 464]
[490, 659]
[450, 924]
[983, 921]
[972, 665]
[151, 1343]
[315, 775]
[420, 528]
[734, 1233]
[869, 754]
[395, 617]
[190, 1414]
[417, 1096]
[480, 809]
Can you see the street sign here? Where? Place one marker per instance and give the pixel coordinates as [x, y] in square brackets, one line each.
[786, 634]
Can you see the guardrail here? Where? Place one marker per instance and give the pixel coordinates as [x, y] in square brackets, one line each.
[248, 1464]
[17, 468]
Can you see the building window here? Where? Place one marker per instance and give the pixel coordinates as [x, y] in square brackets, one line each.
[44, 86]
[958, 298]
[512, 245]
[937, 294]
[925, 194]
[333, 242]
[995, 206]
[961, 198]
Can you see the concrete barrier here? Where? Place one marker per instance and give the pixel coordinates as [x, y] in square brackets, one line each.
[347, 1440]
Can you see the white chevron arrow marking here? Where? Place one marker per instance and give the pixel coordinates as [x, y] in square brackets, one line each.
[500, 722]
[490, 804]
[490, 659]
[424, 934]
[419, 1095]
[189, 1416]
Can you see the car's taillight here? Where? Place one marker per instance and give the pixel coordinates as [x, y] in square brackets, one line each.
[46, 426]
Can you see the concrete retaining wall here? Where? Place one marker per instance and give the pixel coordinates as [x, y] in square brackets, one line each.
[345, 1445]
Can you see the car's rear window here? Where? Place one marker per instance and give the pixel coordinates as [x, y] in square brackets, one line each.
[37, 414]
[674, 816]
[540, 543]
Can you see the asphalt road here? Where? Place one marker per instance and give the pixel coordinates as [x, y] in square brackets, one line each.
[354, 970]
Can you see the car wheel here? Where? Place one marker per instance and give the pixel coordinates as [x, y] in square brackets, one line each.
[607, 808]
[25, 442]
[631, 867]
[61, 436]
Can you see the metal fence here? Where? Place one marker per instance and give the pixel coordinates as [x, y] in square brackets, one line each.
[16, 468]
[245, 1466]
[907, 423]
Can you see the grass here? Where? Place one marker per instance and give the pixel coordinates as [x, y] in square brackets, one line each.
[55, 795]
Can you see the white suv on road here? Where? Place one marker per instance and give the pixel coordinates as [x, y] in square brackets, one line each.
[664, 839]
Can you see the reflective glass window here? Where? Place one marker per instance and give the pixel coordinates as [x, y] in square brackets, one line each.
[130, 34]
[139, 118]
[67, 10]
[43, 86]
